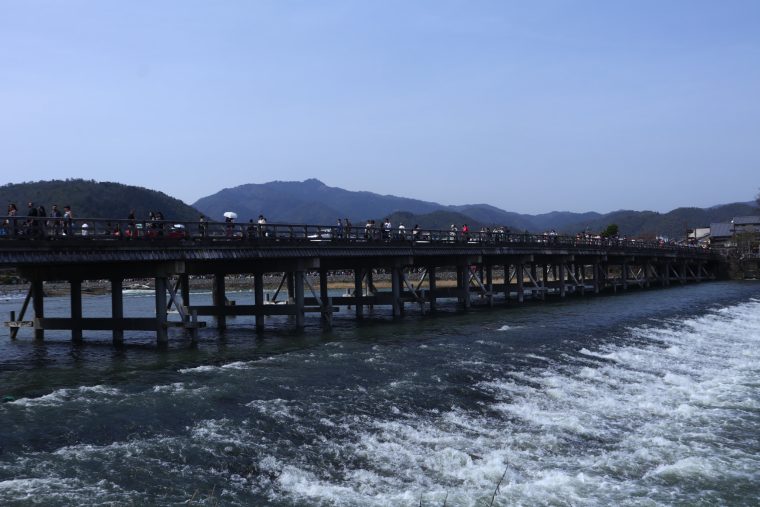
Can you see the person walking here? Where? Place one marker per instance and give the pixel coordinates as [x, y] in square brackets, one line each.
[55, 222]
[68, 221]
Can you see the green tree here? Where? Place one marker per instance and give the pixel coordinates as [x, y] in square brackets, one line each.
[611, 231]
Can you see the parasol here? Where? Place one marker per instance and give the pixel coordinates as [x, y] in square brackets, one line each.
[230, 214]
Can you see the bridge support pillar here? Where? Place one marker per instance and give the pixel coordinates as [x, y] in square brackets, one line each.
[117, 311]
[75, 287]
[162, 336]
[544, 281]
[463, 285]
[431, 287]
[38, 304]
[291, 286]
[359, 292]
[520, 283]
[299, 300]
[624, 274]
[666, 277]
[184, 287]
[647, 274]
[507, 279]
[396, 275]
[562, 277]
[258, 300]
[220, 301]
[489, 284]
[323, 295]
[597, 274]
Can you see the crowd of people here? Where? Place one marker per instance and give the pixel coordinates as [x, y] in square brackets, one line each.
[37, 222]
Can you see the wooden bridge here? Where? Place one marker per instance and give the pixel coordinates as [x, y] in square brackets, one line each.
[490, 267]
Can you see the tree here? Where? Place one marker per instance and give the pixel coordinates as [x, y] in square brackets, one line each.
[611, 231]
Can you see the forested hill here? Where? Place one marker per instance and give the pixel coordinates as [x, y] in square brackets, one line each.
[312, 201]
[92, 199]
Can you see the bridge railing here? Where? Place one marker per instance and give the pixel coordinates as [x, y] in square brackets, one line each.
[157, 231]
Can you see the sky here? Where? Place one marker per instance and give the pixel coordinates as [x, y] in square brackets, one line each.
[528, 106]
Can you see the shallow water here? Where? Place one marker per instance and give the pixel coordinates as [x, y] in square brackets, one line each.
[644, 398]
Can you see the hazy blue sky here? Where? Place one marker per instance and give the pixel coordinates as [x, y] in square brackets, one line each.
[529, 106]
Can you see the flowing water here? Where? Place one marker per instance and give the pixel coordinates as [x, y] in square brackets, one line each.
[644, 398]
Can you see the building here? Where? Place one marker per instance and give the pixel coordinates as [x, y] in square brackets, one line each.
[721, 235]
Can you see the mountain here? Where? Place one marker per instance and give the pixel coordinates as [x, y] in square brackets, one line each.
[308, 201]
[92, 199]
[312, 201]
[671, 224]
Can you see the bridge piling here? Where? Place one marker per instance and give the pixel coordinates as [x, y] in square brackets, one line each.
[75, 296]
[117, 311]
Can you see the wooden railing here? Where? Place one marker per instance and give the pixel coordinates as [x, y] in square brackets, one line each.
[91, 229]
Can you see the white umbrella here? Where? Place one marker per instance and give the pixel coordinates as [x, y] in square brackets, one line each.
[230, 214]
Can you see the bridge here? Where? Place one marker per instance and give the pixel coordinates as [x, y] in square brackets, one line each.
[486, 268]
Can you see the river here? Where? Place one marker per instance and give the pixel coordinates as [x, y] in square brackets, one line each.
[643, 398]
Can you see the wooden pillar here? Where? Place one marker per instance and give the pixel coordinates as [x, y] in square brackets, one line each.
[298, 286]
[520, 285]
[624, 274]
[220, 301]
[38, 304]
[463, 285]
[647, 271]
[395, 292]
[291, 287]
[597, 274]
[431, 287]
[506, 283]
[162, 336]
[489, 284]
[184, 280]
[258, 299]
[562, 277]
[370, 286]
[76, 310]
[683, 272]
[323, 295]
[666, 278]
[117, 311]
[358, 292]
